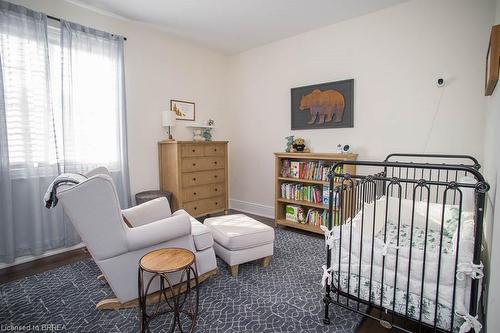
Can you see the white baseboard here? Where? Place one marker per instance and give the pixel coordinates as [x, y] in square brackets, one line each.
[252, 208]
[25, 259]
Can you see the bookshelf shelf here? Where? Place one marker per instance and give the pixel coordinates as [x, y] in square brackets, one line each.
[305, 181]
[281, 203]
[303, 203]
[307, 227]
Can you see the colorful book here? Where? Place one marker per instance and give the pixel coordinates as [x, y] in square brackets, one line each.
[294, 213]
[295, 169]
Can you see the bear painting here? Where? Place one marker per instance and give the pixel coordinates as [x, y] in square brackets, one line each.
[326, 105]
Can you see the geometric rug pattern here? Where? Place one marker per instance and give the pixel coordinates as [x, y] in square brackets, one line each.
[284, 297]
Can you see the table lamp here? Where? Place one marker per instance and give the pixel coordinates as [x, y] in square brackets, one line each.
[168, 120]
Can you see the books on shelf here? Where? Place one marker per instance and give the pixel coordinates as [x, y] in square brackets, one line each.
[326, 194]
[308, 170]
[315, 217]
[301, 192]
[295, 213]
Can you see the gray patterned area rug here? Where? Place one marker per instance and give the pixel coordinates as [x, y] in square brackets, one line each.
[285, 297]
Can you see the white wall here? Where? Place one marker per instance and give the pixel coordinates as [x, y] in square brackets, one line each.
[492, 222]
[159, 67]
[395, 57]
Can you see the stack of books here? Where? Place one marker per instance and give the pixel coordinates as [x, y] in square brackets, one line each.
[317, 217]
[295, 214]
[309, 193]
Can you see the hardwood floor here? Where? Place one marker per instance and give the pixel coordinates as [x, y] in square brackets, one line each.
[40, 265]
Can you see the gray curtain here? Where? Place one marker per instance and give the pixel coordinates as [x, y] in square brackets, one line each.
[27, 139]
[7, 248]
[48, 127]
[93, 101]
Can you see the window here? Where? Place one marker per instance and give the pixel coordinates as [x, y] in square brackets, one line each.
[28, 116]
[43, 128]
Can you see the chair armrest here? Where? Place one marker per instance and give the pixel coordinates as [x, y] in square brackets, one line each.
[157, 232]
[154, 210]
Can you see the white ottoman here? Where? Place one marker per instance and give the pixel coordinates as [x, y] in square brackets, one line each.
[239, 239]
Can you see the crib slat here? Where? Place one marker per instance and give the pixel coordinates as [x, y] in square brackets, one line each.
[439, 258]
[397, 253]
[457, 253]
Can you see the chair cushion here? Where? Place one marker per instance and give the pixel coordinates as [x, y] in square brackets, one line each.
[202, 236]
[239, 232]
[154, 210]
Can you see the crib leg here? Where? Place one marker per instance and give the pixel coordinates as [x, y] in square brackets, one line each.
[327, 300]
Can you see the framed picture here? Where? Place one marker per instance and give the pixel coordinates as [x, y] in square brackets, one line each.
[183, 110]
[325, 105]
[492, 61]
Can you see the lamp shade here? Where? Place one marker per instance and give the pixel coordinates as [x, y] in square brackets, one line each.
[168, 118]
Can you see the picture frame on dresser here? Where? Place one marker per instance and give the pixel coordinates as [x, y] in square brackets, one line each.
[196, 173]
[184, 110]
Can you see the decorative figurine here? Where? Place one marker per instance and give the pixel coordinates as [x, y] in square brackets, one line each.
[289, 143]
[206, 133]
[197, 134]
[299, 146]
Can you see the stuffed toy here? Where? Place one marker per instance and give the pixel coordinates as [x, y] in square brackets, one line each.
[299, 146]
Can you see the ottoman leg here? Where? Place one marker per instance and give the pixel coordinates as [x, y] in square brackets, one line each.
[234, 270]
[265, 261]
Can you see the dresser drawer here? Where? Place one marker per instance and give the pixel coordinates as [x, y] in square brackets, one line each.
[192, 150]
[204, 206]
[202, 192]
[202, 163]
[214, 150]
[203, 177]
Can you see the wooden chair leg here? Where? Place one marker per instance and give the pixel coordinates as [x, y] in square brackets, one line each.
[265, 261]
[234, 270]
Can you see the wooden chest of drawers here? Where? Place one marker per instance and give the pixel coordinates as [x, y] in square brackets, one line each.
[196, 174]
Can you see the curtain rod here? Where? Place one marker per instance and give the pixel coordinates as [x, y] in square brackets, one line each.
[59, 20]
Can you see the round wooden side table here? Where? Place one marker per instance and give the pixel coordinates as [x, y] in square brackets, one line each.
[177, 297]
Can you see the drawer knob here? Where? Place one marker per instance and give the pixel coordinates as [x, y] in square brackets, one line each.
[215, 190]
[215, 176]
[215, 149]
[194, 150]
[195, 208]
[216, 203]
[194, 179]
[194, 164]
[215, 162]
[194, 193]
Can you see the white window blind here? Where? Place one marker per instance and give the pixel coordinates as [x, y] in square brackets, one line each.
[30, 130]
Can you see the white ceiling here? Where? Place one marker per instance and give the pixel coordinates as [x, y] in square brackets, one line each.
[232, 26]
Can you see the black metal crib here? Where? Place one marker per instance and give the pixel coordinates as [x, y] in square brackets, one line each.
[404, 241]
